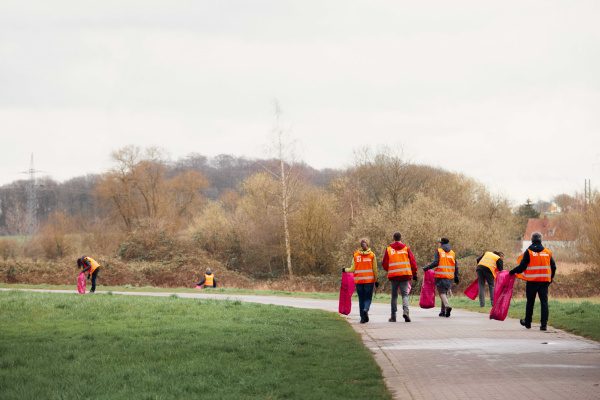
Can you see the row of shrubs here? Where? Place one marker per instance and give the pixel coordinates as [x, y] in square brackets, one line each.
[187, 271]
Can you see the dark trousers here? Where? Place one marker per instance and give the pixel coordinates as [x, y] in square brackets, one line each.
[94, 276]
[365, 296]
[541, 290]
[485, 275]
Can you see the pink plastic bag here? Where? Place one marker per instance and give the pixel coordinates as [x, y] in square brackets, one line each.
[81, 283]
[198, 287]
[427, 299]
[346, 291]
[472, 291]
[502, 294]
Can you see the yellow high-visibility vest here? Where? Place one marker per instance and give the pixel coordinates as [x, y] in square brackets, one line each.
[489, 260]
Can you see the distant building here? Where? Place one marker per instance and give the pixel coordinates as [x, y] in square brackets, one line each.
[554, 237]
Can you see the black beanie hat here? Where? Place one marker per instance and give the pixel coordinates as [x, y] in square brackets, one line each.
[444, 240]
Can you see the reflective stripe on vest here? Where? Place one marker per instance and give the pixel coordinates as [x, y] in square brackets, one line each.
[363, 268]
[93, 263]
[399, 262]
[446, 266]
[489, 260]
[538, 269]
[208, 280]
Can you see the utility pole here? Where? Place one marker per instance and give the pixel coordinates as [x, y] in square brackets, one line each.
[31, 200]
[588, 191]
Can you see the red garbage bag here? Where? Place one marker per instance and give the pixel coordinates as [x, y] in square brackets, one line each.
[427, 299]
[81, 283]
[472, 291]
[502, 294]
[346, 291]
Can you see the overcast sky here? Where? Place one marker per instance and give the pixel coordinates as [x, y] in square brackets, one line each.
[505, 92]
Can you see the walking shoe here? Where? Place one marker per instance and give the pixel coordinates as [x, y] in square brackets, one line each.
[362, 321]
[525, 323]
[406, 316]
[442, 314]
[448, 309]
[543, 328]
[392, 318]
[366, 315]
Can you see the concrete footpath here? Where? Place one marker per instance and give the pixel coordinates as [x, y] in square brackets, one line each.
[466, 356]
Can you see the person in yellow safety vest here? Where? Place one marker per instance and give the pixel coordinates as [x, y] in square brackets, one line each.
[488, 266]
[446, 271]
[537, 267]
[208, 280]
[401, 267]
[89, 264]
[364, 267]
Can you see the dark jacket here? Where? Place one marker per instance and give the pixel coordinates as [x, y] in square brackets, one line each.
[204, 280]
[499, 264]
[444, 283]
[537, 247]
[86, 264]
[413, 263]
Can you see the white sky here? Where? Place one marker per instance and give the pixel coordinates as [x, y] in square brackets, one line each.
[505, 92]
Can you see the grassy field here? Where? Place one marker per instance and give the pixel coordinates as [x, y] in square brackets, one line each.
[127, 288]
[66, 346]
[578, 316]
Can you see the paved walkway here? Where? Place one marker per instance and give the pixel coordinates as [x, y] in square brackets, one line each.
[466, 356]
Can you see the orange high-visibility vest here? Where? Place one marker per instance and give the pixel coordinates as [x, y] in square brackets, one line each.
[489, 260]
[363, 268]
[538, 269]
[94, 264]
[399, 262]
[446, 266]
[208, 280]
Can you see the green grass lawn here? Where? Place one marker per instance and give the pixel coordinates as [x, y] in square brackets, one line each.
[578, 316]
[127, 288]
[66, 346]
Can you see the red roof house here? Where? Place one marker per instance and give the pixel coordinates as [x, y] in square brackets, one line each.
[551, 231]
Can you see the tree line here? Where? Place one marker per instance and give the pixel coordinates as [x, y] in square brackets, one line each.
[271, 217]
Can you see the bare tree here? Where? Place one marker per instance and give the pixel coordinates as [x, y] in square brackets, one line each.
[387, 177]
[284, 150]
[138, 188]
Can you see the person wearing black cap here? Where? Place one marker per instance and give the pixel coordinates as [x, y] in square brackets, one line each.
[446, 271]
[208, 280]
[537, 267]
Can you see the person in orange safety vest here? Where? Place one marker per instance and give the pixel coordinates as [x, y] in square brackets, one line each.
[401, 267]
[89, 264]
[364, 267]
[537, 267]
[208, 280]
[446, 271]
[488, 266]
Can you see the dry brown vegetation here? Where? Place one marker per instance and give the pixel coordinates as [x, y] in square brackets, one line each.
[151, 226]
